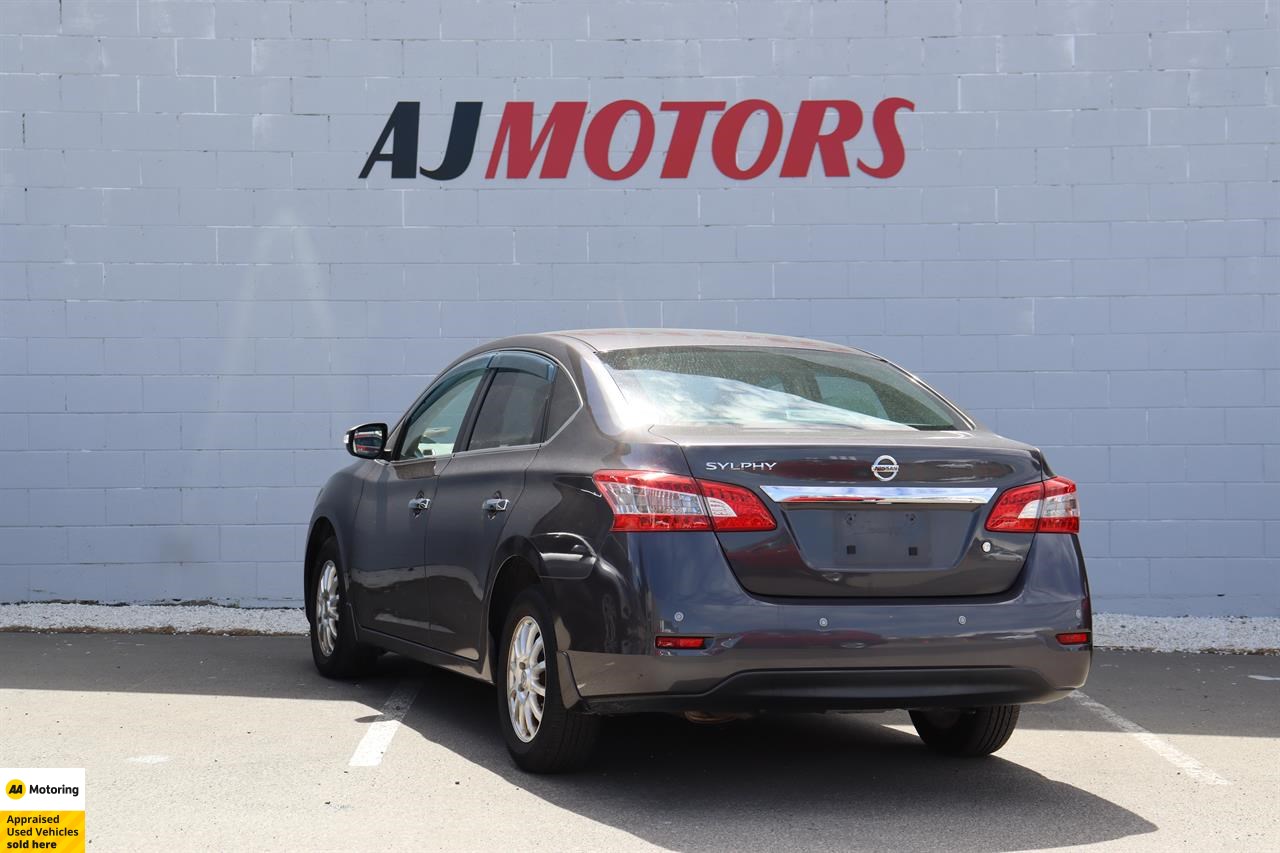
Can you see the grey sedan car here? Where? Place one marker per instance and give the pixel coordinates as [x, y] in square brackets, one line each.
[708, 523]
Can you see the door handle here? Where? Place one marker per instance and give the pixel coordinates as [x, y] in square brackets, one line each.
[419, 504]
[496, 505]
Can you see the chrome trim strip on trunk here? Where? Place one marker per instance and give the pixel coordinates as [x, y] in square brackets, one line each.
[880, 496]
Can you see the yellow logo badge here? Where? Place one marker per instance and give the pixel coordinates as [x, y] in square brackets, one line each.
[15, 789]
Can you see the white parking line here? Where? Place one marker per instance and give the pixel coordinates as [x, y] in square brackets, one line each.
[374, 744]
[1156, 744]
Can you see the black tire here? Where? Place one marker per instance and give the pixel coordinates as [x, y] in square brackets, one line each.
[968, 732]
[564, 739]
[347, 658]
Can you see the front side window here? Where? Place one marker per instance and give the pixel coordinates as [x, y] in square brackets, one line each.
[774, 387]
[513, 411]
[433, 427]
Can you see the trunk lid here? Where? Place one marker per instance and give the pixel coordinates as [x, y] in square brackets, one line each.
[871, 514]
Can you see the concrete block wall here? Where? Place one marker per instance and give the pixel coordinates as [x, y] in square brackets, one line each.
[198, 294]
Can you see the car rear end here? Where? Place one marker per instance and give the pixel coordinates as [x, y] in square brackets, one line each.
[785, 556]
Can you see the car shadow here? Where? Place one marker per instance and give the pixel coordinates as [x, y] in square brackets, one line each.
[1165, 693]
[840, 781]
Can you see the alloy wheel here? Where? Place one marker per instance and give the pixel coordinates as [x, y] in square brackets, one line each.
[526, 679]
[327, 608]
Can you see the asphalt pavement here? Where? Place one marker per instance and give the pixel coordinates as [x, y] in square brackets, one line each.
[235, 743]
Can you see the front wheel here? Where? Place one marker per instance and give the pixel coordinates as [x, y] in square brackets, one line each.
[966, 732]
[542, 735]
[333, 638]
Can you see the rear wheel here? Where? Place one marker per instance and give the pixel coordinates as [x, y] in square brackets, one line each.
[333, 639]
[542, 735]
[968, 732]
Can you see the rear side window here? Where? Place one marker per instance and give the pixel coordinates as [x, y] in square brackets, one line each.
[564, 402]
[774, 387]
[513, 411]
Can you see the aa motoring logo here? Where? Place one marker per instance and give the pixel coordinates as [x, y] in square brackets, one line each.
[17, 789]
[45, 810]
[523, 140]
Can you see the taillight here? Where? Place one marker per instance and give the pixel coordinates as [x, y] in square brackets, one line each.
[735, 508]
[1017, 510]
[653, 500]
[1060, 511]
[1047, 507]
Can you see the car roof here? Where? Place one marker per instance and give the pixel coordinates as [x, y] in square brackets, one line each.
[587, 341]
[606, 340]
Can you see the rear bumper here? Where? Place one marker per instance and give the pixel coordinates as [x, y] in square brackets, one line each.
[848, 689]
[815, 653]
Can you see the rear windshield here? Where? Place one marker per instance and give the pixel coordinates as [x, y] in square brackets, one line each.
[773, 387]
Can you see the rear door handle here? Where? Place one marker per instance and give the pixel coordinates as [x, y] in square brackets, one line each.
[496, 505]
[419, 504]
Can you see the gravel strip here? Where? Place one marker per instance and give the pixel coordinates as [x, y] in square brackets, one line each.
[152, 619]
[1222, 634]
[1225, 634]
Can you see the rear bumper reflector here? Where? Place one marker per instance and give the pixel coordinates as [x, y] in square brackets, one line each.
[1075, 638]
[918, 496]
[666, 641]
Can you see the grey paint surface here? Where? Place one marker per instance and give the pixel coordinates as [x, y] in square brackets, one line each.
[197, 295]
[257, 750]
[781, 607]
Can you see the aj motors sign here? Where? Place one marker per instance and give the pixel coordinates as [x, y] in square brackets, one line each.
[523, 140]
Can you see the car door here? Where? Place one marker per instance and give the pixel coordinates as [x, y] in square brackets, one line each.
[389, 553]
[476, 495]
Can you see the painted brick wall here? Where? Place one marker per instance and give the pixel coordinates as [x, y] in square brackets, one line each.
[197, 294]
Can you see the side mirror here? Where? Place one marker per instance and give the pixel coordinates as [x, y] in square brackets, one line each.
[366, 441]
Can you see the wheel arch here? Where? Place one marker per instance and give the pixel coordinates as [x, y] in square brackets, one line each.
[518, 566]
[321, 529]
[516, 574]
